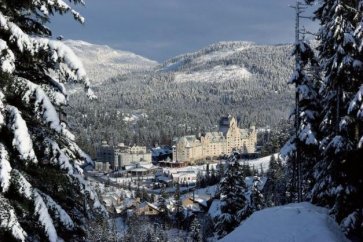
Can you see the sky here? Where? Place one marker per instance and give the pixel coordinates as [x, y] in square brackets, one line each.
[161, 29]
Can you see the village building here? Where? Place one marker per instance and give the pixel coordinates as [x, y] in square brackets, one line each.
[120, 156]
[185, 177]
[148, 209]
[197, 203]
[213, 144]
[102, 166]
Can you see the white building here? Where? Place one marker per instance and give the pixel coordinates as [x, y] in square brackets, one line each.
[120, 156]
[185, 177]
[102, 166]
[125, 155]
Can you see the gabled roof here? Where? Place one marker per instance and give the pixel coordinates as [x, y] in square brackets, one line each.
[153, 206]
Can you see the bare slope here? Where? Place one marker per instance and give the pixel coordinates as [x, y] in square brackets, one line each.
[103, 62]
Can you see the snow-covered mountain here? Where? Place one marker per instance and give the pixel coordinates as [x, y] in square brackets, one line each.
[102, 62]
[212, 53]
[223, 61]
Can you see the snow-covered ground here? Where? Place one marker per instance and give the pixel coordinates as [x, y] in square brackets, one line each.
[299, 222]
[257, 163]
[216, 74]
[133, 118]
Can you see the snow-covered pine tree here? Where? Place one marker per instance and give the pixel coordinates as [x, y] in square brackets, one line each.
[43, 196]
[302, 150]
[234, 206]
[339, 183]
[257, 199]
[275, 186]
[195, 230]
[161, 204]
[178, 207]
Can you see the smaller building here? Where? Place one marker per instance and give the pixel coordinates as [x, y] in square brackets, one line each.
[121, 155]
[105, 153]
[148, 209]
[185, 177]
[102, 166]
[125, 155]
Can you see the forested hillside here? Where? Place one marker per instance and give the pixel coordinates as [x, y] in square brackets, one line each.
[188, 94]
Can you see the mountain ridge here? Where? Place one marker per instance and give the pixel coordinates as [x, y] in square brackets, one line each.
[112, 62]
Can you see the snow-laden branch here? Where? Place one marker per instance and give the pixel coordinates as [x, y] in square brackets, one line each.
[57, 156]
[5, 169]
[47, 6]
[288, 149]
[59, 212]
[33, 94]
[21, 138]
[357, 104]
[22, 184]
[7, 58]
[9, 220]
[307, 136]
[44, 217]
[65, 62]
[2, 121]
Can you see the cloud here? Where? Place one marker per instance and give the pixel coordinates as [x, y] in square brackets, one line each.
[161, 29]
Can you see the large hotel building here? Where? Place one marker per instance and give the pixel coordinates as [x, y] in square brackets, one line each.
[213, 144]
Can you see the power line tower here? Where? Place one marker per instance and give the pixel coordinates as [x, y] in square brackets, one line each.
[297, 166]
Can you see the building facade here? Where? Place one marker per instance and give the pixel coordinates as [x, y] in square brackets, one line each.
[120, 156]
[125, 155]
[213, 144]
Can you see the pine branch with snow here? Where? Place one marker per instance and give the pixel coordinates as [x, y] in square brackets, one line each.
[40, 163]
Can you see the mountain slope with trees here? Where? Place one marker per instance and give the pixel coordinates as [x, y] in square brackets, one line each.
[181, 97]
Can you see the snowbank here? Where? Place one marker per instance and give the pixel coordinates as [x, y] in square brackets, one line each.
[257, 163]
[298, 222]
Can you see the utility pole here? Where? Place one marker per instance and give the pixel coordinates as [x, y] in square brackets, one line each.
[297, 174]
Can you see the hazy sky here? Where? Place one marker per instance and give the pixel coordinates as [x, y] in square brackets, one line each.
[160, 29]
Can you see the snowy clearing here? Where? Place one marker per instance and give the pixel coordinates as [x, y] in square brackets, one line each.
[216, 74]
[257, 163]
[298, 222]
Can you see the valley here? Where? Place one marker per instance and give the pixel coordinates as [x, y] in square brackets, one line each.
[186, 95]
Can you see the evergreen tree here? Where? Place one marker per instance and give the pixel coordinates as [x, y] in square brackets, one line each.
[161, 204]
[246, 170]
[43, 195]
[195, 233]
[257, 199]
[207, 171]
[220, 170]
[201, 180]
[234, 206]
[302, 149]
[178, 207]
[275, 186]
[213, 177]
[338, 175]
